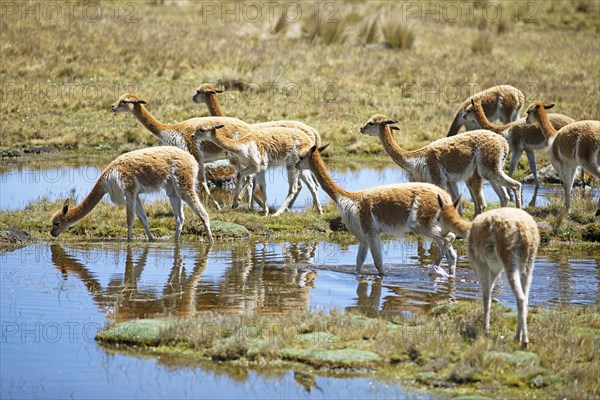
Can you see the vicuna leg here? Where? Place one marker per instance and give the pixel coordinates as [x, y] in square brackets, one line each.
[250, 188]
[567, 175]
[446, 250]
[292, 173]
[475, 186]
[177, 207]
[363, 248]
[374, 241]
[505, 181]
[487, 278]
[139, 209]
[514, 161]
[193, 201]
[130, 212]
[532, 166]
[308, 177]
[501, 192]
[261, 180]
[451, 256]
[514, 279]
[297, 193]
[243, 179]
[594, 169]
[204, 185]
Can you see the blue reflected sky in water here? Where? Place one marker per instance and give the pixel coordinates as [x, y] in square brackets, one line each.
[24, 185]
[55, 300]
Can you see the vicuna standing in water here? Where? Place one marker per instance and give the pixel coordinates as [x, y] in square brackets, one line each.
[501, 239]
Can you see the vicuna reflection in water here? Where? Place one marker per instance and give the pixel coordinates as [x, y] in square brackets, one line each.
[253, 281]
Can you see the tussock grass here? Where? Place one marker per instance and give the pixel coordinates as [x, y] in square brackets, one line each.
[555, 224]
[482, 44]
[444, 349]
[396, 34]
[59, 79]
[324, 31]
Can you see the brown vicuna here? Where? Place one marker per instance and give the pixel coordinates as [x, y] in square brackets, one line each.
[502, 102]
[467, 157]
[207, 94]
[500, 239]
[521, 136]
[573, 145]
[142, 171]
[179, 134]
[261, 149]
[392, 209]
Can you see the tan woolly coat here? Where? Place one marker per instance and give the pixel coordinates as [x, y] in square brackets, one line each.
[392, 209]
[502, 102]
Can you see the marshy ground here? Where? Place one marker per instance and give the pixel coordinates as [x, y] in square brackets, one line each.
[332, 66]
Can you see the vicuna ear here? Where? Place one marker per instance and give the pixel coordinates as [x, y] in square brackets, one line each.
[473, 102]
[458, 202]
[548, 106]
[322, 148]
[440, 201]
[65, 209]
[388, 122]
[138, 101]
[214, 128]
[219, 90]
[394, 127]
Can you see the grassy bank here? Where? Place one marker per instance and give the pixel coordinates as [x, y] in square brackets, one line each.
[332, 69]
[107, 222]
[444, 351]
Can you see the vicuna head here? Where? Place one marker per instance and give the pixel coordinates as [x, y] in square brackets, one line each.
[204, 132]
[204, 91]
[449, 214]
[470, 112]
[376, 124]
[59, 220]
[126, 103]
[535, 110]
[304, 159]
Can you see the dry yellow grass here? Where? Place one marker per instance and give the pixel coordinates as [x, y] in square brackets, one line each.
[63, 66]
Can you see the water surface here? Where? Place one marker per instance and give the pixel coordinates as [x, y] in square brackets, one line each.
[23, 185]
[55, 298]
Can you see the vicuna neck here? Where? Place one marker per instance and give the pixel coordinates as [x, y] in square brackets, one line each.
[224, 142]
[82, 209]
[486, 124]
[214, 108]
[459, 225]
[333, 190]
[547, 129]
[151, 123]
[398, 154]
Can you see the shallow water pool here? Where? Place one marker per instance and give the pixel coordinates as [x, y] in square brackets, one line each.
[55, 298]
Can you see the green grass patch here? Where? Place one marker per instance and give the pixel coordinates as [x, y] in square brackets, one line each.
[444, 349]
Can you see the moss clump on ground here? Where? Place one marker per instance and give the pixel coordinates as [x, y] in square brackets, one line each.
[591, 233]
[444, 349]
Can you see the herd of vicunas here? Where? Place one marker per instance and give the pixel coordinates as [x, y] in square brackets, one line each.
[429, 205]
